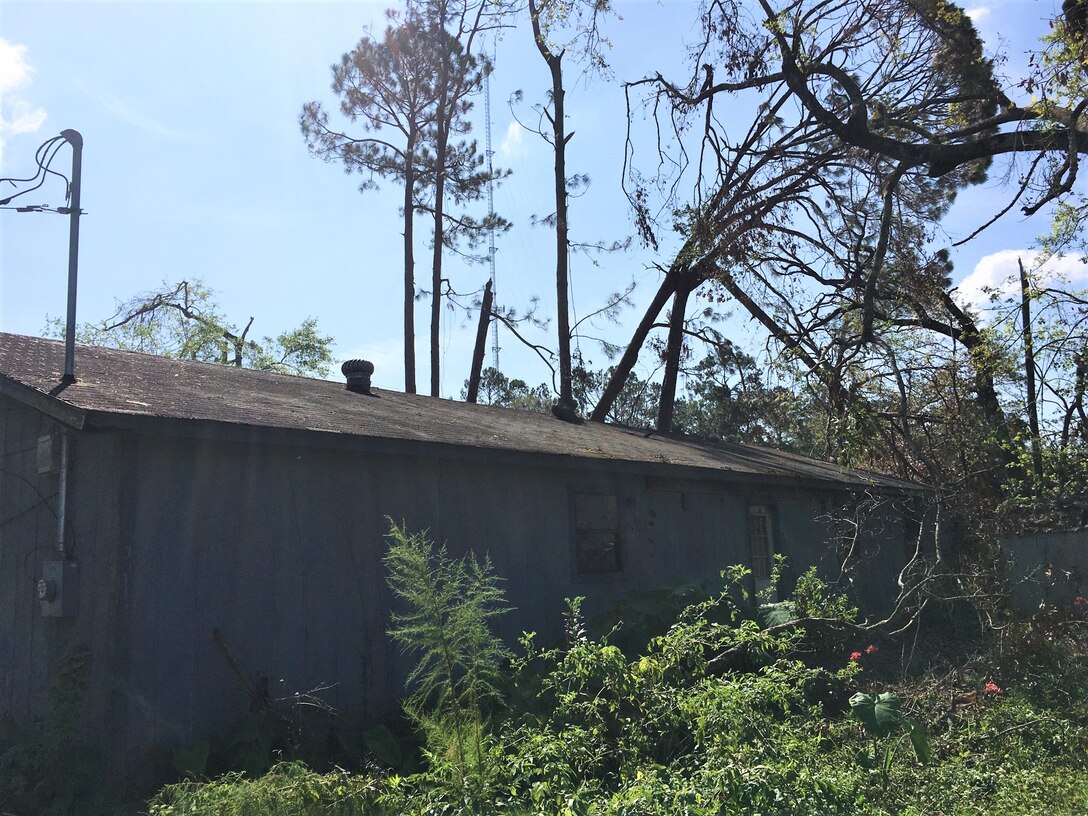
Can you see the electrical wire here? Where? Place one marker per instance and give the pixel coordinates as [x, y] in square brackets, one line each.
[44, 166]
[43, 158]
[37, 158]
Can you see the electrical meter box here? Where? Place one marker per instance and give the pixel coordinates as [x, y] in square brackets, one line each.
[58, 589]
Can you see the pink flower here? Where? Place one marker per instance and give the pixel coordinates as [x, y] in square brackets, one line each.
[1080, 600]
[855, 656]
[870, 649]
[993, 688]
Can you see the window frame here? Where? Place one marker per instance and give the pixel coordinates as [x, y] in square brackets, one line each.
[765, 511]
[579, 573]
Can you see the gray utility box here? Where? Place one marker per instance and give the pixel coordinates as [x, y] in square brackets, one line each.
[58, 589]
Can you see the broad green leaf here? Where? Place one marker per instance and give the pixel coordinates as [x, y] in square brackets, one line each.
[920, 740]
[879, 713]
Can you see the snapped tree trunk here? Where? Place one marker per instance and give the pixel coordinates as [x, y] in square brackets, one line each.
[559, 145]
[562, 286]
[1029, 376]
[630, 354]
[673, 351]
[481, 341]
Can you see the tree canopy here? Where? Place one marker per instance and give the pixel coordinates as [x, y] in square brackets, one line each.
[409, 93]
[184, 320]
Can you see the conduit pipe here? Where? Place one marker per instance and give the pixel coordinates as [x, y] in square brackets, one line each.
[62, 494]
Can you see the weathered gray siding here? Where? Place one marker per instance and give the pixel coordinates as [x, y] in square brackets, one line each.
[30, 644]
[1047, 568]
[278, 546]
[27, 531]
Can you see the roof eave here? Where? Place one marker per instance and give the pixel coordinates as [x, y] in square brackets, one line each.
[662, 472]
[48, 403]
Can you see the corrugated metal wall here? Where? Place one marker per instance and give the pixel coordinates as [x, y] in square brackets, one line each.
[279, 546]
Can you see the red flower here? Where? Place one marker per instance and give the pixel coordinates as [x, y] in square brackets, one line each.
[992, 688]
[1080, 600]
[870, 649]
[855, 656]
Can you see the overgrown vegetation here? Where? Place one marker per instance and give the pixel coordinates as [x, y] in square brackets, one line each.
[731, 706]
[449, 602]
[45, 769]
[288, 789]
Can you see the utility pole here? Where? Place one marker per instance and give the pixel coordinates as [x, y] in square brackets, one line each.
[73, 138]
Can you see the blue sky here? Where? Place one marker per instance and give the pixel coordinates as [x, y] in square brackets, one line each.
[194, 167]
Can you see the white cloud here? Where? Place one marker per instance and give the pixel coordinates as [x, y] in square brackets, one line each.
[512, 146]
[978, 13]
[24, 118]
[14, 69]
[16, 114]
[998, 274]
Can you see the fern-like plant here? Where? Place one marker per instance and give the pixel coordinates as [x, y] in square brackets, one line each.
[447, 605]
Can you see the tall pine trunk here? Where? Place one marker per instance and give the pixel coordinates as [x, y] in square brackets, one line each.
[559, 144]
[442, 137]
[409, 267]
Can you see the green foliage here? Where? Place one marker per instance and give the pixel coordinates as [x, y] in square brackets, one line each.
[730, 397]
[777, 614]
[667, 732]
[636, 404]
[184, 320]
[813, 598]
[383, 744]
[449, 604]
[288, 789]
[637, 618]
[882, 717]
[498, 389]
[720, 714]
[304, 731]
[880, 714]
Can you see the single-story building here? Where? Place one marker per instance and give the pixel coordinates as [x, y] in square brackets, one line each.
[155, 501]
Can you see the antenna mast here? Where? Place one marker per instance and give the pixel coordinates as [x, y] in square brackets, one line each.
[491, 207]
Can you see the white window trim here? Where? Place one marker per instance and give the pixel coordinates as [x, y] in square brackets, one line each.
[762, 511]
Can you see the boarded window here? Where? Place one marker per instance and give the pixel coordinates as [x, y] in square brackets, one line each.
[597, 533]
[761, 541]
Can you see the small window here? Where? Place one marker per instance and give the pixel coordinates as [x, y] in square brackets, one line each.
[761, 541]
[597, 533]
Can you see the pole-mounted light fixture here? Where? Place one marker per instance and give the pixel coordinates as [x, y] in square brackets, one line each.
[44, 156]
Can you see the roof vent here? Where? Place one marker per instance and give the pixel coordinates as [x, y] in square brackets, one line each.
[358, 373]
[567, 410]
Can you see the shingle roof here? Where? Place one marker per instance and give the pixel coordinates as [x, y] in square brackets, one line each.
[112, 383]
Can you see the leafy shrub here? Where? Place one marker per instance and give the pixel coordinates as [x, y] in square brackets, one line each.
[449, 604]
[723, 712]
[813, 598]
[287, 789]
[634, 620]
